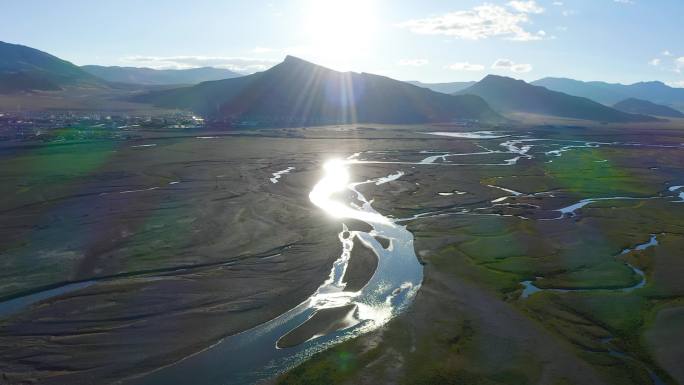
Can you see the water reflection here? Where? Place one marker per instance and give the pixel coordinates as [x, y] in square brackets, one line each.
[255, 354]
[398, 275]
[335, 180]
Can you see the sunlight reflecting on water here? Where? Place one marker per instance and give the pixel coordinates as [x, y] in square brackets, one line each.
[335, 180]
[256, 354]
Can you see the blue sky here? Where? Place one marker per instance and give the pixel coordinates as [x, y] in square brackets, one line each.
[433, 41]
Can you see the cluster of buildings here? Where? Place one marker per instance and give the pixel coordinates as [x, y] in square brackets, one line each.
[48, 126]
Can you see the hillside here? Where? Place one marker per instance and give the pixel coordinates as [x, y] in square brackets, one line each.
[445, 88]
[638, 106]
[510, 95]
[149, 76]
[611, 93]
[299, 92]
[27, 69]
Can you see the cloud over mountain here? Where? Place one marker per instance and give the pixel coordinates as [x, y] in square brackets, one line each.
[465, 66]
[510, 65]
[481, 22]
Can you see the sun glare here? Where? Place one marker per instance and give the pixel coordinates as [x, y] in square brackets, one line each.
[337, 179]
[339, 30]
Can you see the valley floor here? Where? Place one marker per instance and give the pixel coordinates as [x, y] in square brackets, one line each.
[120, 256]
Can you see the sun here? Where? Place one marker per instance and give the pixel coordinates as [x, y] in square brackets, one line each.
[337, 31]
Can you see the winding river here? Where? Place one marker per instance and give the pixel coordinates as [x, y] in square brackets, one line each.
[254, 354]
[530, 288]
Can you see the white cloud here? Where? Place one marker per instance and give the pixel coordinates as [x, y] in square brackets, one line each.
[413, 62]
[238, 64]
[480, 22]
[679, 64]
[558, 3]
[679, 84]
[510, 65]
[465, 66]
[624, 1]
[667, 61]
[529, 6]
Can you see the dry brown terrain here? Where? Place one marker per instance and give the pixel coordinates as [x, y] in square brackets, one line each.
[172, 268]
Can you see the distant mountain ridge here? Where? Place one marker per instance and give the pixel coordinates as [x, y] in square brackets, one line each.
[510, 95]
[638, 106]
[149, 76]
[445, 88]
[611, 93]
[27, 69]
[299, 92]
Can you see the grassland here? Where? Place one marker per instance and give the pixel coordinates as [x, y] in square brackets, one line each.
[185, 241]
[469, 324]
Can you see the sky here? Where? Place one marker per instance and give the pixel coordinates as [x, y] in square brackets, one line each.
[622, 41]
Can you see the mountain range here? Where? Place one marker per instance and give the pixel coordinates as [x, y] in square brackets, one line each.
[445, 88]
[510, 95]
[299, 92]
[611, 93]
[26, 69]
[149, 76]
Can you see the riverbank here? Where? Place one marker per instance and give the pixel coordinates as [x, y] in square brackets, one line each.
[469, 323]
[189, 241]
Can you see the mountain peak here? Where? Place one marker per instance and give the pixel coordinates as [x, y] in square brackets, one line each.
[654, 84]
[512, 95]
[494, 77]
[498, 80]
[293, 63]
[298, 92]
[295, 60]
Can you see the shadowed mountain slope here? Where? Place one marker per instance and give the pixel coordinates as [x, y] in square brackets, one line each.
[510, 95]
[638, 106]
[27, 69]
[299, 92]
[611, 93]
